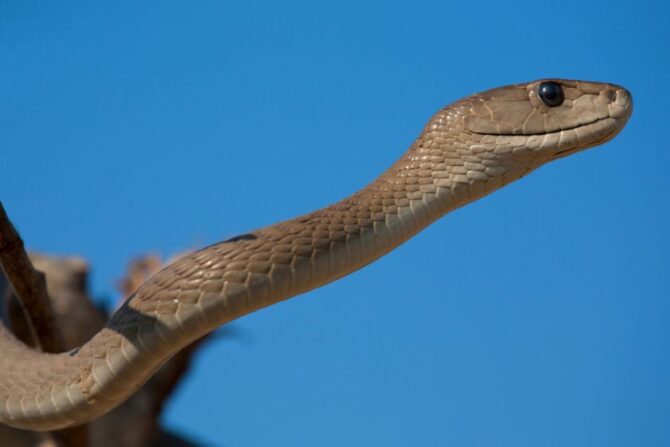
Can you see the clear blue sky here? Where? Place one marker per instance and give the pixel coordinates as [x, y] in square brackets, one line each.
[537, 316]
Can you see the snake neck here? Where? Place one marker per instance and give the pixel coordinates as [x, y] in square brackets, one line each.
[227, 280]
[238, 276]
[220, 283]
[230, 279]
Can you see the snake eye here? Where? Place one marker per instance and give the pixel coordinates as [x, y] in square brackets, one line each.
[551, 94]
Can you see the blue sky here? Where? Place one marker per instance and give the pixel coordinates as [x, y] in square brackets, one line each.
[537, 316]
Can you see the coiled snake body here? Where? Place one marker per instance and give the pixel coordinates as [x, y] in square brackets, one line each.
[467, 150]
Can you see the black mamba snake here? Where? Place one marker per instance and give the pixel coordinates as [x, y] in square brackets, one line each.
[467, 150]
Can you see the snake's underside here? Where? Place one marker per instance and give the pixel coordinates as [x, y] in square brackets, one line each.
[467, 150]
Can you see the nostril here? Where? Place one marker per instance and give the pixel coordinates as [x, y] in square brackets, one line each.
[611, 95]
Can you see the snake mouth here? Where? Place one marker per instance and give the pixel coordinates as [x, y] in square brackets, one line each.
[616, 126]
[603, 139]
[530, 134]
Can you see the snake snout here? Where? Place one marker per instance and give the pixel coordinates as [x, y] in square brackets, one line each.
[621, 103]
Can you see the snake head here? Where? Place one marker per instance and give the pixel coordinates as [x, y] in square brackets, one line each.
[545, 119]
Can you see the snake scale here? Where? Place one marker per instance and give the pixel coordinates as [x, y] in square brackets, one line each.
[467, 150]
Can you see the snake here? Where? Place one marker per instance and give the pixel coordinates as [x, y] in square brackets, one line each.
[467, 150]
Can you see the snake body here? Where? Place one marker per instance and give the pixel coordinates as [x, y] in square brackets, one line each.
[467, 150]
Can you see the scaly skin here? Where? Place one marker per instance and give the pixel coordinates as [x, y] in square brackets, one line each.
[467, 150]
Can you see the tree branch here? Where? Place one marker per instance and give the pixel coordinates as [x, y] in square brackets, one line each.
[30, 287]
